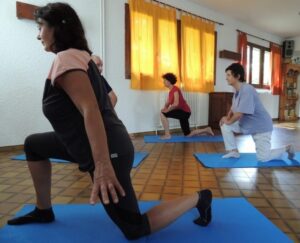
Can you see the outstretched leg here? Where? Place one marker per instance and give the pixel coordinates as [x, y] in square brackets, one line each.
[133, 224]
[264, 153]
[167, 212]
[197, 132]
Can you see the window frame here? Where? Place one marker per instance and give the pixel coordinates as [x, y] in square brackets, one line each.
[262, 49]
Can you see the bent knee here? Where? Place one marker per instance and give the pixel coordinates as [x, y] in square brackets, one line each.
[136, 227]
[29, 140]
[225, 127]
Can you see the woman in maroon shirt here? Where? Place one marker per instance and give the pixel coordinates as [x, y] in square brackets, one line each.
[177, 108]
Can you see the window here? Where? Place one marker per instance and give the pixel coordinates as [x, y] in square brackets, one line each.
[258, 66]
[128, 46]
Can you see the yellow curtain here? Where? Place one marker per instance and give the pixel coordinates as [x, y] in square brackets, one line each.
[198, 54]
[153, 44]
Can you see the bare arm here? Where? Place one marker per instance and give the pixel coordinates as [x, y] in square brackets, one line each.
[175, 103]
[226, 118]
[235, 117]
[77, 85]
[113, 98]
[230, 114]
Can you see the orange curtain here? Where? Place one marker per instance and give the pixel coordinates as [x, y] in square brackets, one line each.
[242, 49]
[198, 48]
[154, 46]
[276, 61]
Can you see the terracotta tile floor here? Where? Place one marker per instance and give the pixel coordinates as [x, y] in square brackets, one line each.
[169, 171]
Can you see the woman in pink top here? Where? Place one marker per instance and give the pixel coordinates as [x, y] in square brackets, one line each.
[177, 108]
[86, 130]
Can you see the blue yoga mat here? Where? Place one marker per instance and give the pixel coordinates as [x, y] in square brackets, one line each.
[22, 157]
[183, 139]
[234, 220]
[247, 160]
[138, 158]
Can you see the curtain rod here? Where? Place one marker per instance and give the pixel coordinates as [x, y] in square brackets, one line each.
[181, 10]
[257, 37]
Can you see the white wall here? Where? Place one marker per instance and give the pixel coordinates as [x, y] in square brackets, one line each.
[139, 109]
[297, 42]
[24, 65]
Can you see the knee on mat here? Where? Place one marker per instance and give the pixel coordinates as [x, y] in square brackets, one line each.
[133, 235]
[135, 232]
[135, 226]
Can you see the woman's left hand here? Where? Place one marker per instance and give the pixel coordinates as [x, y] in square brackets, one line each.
[105, 184]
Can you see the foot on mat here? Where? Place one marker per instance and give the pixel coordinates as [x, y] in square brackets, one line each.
[204, 208]
[35, 216]
[231, 154]
[290, 149]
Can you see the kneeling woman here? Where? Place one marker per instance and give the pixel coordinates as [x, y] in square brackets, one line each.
[88, 131]
[177, 108]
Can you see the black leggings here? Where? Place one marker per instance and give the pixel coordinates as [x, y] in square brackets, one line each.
[183, 118]
[126, 213]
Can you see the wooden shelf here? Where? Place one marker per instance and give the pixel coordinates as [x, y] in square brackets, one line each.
[287, 103]
[230, 55]
[25, 10]
[292, 98]
[291, 119]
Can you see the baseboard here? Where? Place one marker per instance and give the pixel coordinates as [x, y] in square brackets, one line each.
[161, 131]
[11, 148]
[136, 134]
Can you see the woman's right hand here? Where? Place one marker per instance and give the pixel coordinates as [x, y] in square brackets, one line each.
[105, 183]
[222, 121]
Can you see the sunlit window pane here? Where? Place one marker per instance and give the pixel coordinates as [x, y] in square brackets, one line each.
[267, 69]
[255, 65]
[248, 64]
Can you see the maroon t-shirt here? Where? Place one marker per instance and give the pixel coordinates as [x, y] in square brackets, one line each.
[182, 105]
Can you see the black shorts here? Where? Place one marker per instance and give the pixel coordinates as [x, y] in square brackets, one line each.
[183, 118]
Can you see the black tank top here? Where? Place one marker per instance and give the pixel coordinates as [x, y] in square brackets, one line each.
[68, 123]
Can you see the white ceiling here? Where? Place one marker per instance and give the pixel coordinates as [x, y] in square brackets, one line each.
[278, 17]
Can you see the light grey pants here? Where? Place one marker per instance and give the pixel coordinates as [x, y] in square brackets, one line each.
[262, 142]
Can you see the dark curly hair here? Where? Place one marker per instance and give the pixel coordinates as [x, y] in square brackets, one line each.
[170, 77]
[236, 70]
[68, 30]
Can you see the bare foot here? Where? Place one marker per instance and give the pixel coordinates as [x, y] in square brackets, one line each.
[165, 137]
[209, 131]
[193, 133]
[290, 149]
